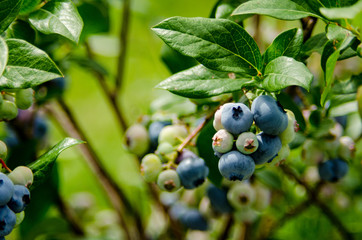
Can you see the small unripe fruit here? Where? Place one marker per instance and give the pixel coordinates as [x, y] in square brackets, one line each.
[241, 195]
[282, 154]
[169, 180]
[173, 134]
[346, 149]
[247, 143]
[154, 131]
[22, 175]
[19, 218]
[24, 98]
[288, 134]
[166, 152]
[217, 119]
[3, 150]
[8, 110]
[222, 141]
[151, 166]
[137, 139]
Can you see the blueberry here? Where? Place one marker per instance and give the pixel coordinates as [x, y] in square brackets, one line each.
[236, 118]
[3, 150]
[282, 154]
[6, 189]
[137, 140]
[269, 115]
[236, 166]
[154, 131]
[193, 219]
[347, 148]
[222, 141]
[218, 199]
[24, 98]
[269, 146]
[333, 170]
[166, 152]
[40, 127]
[192, 172]
[7, 220]
[22, 175]
[241, 195]
[287, 136]
[185, 154]
[20, 199]
[217, 120]
[50, 89]
[247, 143]
[169, 180]
[151, 166]
[8, 110]
[173, 134]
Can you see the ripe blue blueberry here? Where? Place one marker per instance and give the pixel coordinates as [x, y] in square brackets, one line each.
[333, 170]
[269, 146]
[20, 199]
[269, 115]
[154, 131]
[40, 127]
[236, 166]
[193, 219]
[185, 154]
[7, 220]
[236, 118]
[6, 189]
[218, 199]
[192, 172]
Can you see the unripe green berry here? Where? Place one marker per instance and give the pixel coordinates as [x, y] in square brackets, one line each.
[346, 148]
[22, 175]
[222, 141]
[24, 98]
[166, 152]
[151, 166]
[173, 134]
[169, 180]
[247, 143]
[137, 139]
[3, 150]
[241, 195]
[282, 154]
[288, 134]
[19, 218]
[263, 197]
[8, 110]
[217, 119]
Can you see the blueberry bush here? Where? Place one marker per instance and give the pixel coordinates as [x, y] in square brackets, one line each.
[227, 119]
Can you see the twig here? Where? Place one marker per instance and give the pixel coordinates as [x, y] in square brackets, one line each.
[69, 216]
[115, 195]
[313, 197]
[229, 223]
[308, 24]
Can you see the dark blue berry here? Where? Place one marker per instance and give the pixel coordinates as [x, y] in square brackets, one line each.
[269, 146]
[192, 172]
[6, 189]
[7, 220]
[218, 199]
[269, 115]
[236, 166]
[154, 131]
[20, 199]
[193, 219]
[333, 170]
[236, 118]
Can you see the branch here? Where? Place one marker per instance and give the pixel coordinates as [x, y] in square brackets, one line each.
[308, 24]
[115, 195]
[229, 223]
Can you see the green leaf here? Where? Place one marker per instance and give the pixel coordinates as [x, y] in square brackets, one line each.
[341, 13]
[328, 66]
[280, 9]
[3, 55]
[59, 17]
[286, 44]
[9, 9]
[43, 165]
[313, 44]
[22, 30]
[28, 6]
[31, 69]
[285, 71]
[175, 61]
[218, 44]
[342, 37]
[204, 147]
[201, 82]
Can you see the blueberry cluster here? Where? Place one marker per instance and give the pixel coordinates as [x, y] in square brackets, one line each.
[240, 149]
[161, 162]
[13, 99]
[14, 197]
